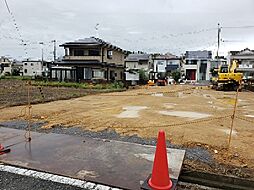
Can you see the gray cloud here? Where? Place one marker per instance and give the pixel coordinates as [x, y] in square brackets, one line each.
[148, 25]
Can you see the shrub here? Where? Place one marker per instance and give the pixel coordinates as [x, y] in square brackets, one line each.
[115, 85]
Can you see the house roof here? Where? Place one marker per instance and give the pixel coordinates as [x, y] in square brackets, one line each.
[93, 41]
[4, 59]
[198, 54]
[244, 52]
[166, 56]
[137, 57]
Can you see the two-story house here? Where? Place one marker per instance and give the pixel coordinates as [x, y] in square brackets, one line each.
[197, 65]
[134, 63]
[89, 59]
[5, 66]
[34, 68]
[245, 60]
[163, 65]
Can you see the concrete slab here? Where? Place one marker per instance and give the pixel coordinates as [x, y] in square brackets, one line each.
[113, 163]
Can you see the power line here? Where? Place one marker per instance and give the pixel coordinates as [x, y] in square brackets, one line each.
[16, 26]
[7, 6]
[236, 27]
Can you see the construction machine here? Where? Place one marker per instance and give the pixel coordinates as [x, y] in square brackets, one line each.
[161, 81]
[151, 83]
[227, 78]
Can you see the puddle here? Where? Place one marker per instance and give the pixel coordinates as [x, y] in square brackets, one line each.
[227, 131]
[131, 111]
[217, 107]
[180, 94]
[190, 115]
[250, 116]
[169, 105]
[157, 94]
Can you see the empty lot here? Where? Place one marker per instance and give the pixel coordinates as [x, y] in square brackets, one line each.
[190, 116]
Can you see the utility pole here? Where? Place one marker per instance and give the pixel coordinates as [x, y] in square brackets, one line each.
[97, 30]
[42, 52]
[54, 51]
[219, 31]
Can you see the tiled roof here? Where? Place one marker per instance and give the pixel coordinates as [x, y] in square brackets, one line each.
[92, 41]
[199, 54]
[137, 57]
[246, 51]
[166, 56]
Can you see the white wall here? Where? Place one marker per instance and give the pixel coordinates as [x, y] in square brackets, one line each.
[131, 65]
[32, 68]
[132, 76]
[7, 69]
[136, 65]
[160, 65]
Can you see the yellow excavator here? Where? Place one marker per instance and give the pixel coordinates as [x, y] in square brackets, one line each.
[227, 78]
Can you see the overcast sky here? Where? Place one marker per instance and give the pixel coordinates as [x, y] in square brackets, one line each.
[147, 25]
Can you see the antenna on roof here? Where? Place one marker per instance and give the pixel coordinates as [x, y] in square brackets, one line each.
[97, 30]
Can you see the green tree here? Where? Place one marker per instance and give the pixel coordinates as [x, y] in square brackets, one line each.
[176, 75]
[143, 76]
[15, 72]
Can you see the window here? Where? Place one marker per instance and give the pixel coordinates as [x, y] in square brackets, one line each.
[93, 52]
[224, 70]
[25, 71]
[97, 73]
[109, 54]
[25, 63]
[194, 62]
[78, 52]
[32, 64]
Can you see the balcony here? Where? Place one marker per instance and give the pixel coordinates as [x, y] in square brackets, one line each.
[82, 58]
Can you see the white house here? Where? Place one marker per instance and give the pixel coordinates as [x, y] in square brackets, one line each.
[245, 60]
[34, 68]
[197, 65]
[163, 64]
[5, 66]
[133, 64]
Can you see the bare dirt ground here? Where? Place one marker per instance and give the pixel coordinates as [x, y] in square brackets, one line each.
[191, 116]
[14, 92]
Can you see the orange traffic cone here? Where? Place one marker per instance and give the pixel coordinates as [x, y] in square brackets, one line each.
[1, 149]
[160, 178]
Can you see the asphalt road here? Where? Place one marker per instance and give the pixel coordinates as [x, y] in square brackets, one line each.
[10, 181]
